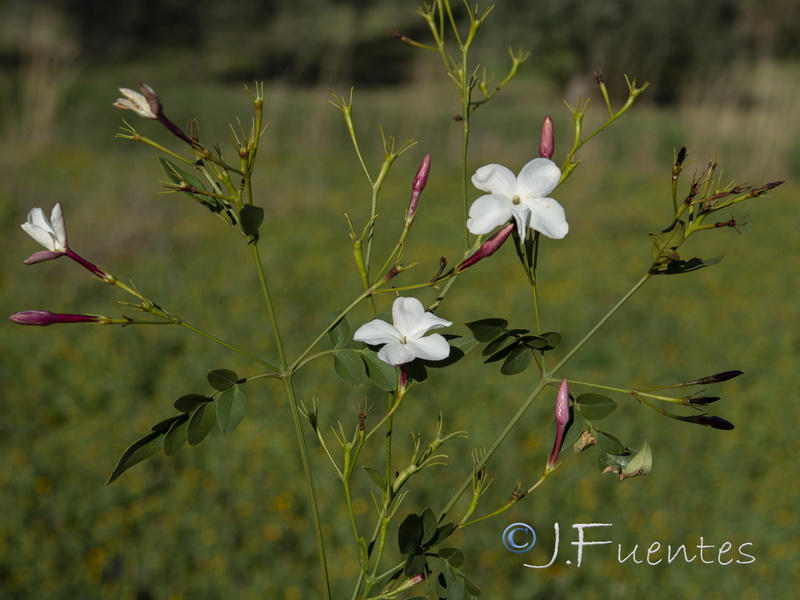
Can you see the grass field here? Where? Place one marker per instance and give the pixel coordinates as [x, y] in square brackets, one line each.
[227, 519]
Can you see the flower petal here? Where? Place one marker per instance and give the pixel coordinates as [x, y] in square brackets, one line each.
[377, 332]
[59, 228]
[397, 354]
[538, 178]
[488, 212]
[38, 227]
[406, 313]
[432, 347]
[547, 217]
[495, 179]
[425, 323]
[522, 217]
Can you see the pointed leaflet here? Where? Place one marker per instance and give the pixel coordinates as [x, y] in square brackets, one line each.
[181, 178]
[349, 367]
[382, 374]
[429, 526]
[609, 443]
[517, 361]
[201, 422]
[189, 402]
[594, 407]
[231, 405]
[139, 450]
[485, 330]
[176, 436]
[339, 335]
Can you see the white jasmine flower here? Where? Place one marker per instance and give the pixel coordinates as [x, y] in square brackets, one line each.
[50, 233]
[404, 341]
[523, 197]
[139, 103]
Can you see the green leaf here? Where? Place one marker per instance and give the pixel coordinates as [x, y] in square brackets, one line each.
[415, 564]
[453, 556]
[641, 463]
[176, 436]
[608, 443]
[553, 340]
[594, 407]
[444, 532]
[201, 422]
[416, 371]
[189, 402]
[376, 477]
[517, 361]
[472, 589]
[231, 405]
[503, 352]
[496, 344]
[613, 463]
[339, 335]
[382, 374]
[178, 176]
[668, 241]
[251, 217]
[409, 534]
[429, 526]
[222, 379]
[485, 330]
[139, 450]
[349, 367]
[676, 267]
[163, 426]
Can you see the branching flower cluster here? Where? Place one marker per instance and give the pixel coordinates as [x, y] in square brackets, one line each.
[396, 355]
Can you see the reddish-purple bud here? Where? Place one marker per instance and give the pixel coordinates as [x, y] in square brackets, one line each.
[42, 256]
[547, 144]
[420, 179]
[43, 318]
[562, 418]
[488, 247]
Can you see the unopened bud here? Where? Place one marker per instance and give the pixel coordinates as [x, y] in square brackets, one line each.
[547, 143]
[44, 318]
[420, 179]
[562, 418]
[712, 421]
[701, 400]
[716, 378]
[488, 247]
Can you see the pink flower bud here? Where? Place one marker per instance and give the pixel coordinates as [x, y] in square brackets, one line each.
[45, 317]
[420, 179]
[488, 247]
[562, 418]
[547, 144]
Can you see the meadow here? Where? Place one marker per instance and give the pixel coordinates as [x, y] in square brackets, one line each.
[227, 519]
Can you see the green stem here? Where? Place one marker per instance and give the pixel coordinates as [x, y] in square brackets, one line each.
[295, 412]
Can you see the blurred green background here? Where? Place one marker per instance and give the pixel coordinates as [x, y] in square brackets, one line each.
[227, 519]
